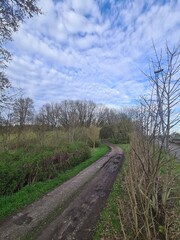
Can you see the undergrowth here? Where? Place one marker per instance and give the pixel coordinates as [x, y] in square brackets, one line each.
[34, 163]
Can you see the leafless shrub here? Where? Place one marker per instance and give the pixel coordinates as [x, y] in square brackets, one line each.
[150, 201]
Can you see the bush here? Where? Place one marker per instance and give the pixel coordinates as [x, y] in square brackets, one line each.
[90, 143]
[115, 134]
[78, 152]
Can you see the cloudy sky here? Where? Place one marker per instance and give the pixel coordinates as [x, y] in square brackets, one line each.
[91, 49]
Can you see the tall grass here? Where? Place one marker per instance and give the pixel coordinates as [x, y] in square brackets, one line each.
[28, 136]
[11, 139]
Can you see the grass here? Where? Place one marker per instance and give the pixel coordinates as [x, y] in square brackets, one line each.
[30, 193]
[28, 136]
[109, 225]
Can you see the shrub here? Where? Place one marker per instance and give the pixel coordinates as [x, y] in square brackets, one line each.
[115, 134]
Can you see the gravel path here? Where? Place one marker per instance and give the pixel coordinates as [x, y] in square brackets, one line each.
[71, 210]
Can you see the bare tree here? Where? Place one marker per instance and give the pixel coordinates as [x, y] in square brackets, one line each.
[4, 85]
[165, 79]
[23, 111]
[68, 114]
[12, 13]
[50, 114]
[149, 181]
[73, 116]
[86, 112]
[101, 115]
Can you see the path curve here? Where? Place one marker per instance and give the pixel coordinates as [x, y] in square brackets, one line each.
[70, 210]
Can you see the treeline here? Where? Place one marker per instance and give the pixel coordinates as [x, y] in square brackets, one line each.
[83, 121]
[64, 114]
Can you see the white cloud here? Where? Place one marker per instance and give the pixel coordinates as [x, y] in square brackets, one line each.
[82, 50]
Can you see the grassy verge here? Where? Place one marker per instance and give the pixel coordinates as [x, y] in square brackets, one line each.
[109, 225]
[30, 193]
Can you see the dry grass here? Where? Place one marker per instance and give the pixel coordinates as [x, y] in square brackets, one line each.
[12, 140]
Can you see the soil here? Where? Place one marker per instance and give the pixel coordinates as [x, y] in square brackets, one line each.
[71, 210]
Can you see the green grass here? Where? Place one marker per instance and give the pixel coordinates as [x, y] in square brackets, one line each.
[30, 193]
[109, 225]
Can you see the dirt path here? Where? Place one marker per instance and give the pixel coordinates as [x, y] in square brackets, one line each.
[71, 210]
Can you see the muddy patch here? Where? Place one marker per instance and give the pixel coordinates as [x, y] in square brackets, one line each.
[24, 219]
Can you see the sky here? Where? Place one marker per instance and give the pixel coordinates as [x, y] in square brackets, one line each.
[91, 49]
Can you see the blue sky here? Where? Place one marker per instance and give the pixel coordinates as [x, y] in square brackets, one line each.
[91, 49]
